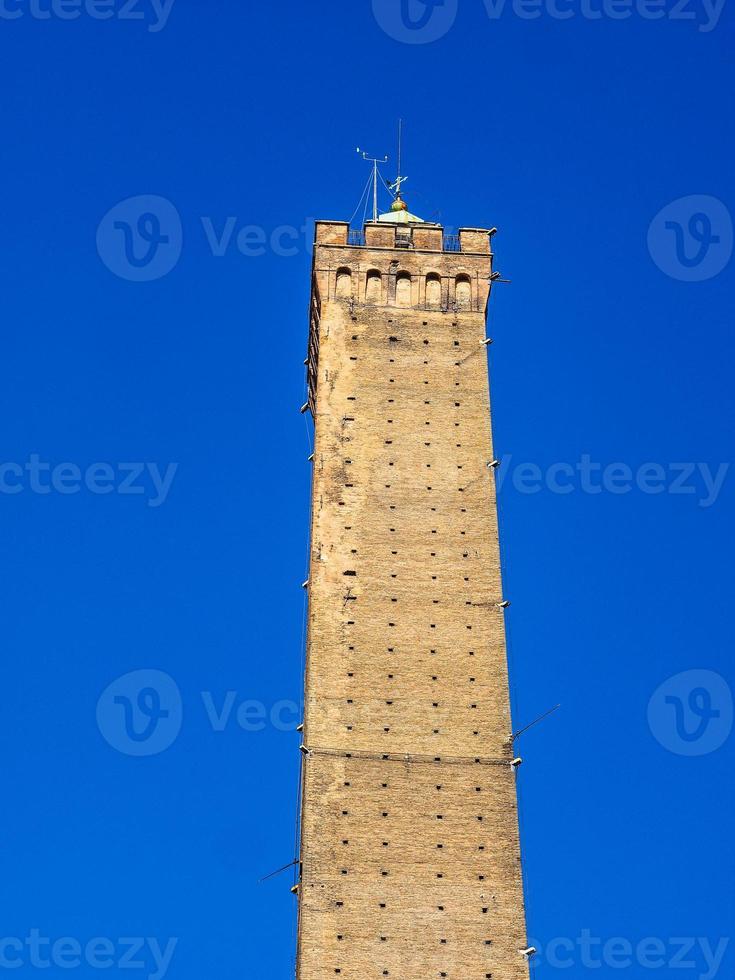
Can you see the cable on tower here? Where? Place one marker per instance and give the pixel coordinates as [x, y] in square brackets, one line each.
[536, 722]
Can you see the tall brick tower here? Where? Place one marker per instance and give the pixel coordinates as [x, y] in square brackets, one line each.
[410, 854]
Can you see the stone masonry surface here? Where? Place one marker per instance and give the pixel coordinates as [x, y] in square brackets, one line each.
[410, 861]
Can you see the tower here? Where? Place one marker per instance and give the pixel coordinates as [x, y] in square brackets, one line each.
[410, 853]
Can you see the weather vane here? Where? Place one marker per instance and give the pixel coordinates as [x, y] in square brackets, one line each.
[397, 184]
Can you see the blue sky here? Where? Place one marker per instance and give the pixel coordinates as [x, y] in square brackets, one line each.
[154, 479]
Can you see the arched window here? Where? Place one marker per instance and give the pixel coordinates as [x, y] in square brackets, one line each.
[344, 284]
[374, 287]
[433, 291]
[463, 293]
[403, 289]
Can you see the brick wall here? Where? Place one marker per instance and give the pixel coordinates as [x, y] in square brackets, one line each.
[410, 849]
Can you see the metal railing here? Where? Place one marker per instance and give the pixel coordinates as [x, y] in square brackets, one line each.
[452, 243]
[356, 236]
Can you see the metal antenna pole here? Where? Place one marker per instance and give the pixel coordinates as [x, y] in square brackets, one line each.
[375, 190]
[375, 161]
[400, 145]
[400, 180]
